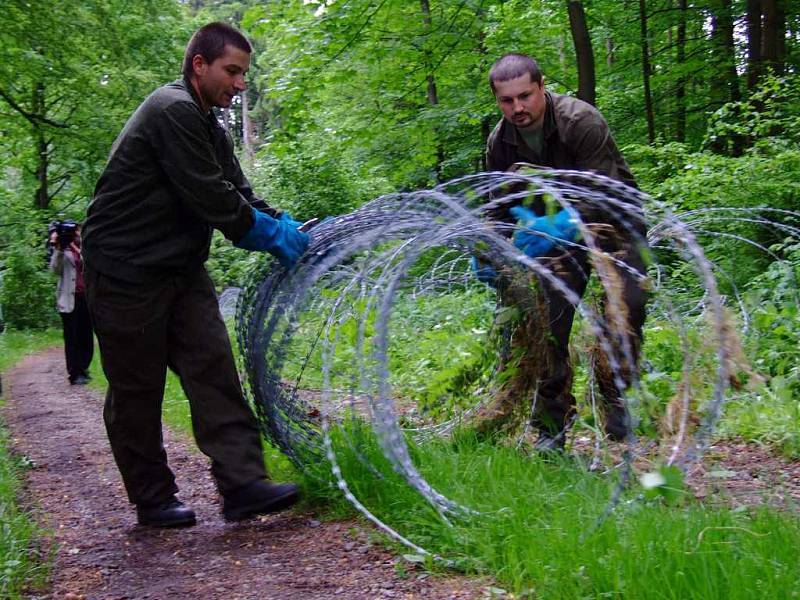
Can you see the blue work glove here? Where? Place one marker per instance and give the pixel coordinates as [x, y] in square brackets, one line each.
[275, 236]
[287, 218]
[484, 272]
[560, 226]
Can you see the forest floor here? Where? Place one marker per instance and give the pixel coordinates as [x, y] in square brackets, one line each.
[75, 491]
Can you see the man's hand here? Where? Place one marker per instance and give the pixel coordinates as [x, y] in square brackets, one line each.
[276, 236]
[540, 234]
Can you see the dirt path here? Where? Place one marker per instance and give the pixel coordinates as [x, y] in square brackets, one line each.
[75, 491]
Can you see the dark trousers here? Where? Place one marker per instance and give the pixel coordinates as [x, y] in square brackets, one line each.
[173, 322]
[546, 371]
[78, 340]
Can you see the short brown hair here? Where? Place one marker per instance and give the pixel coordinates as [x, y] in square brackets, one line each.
[209, 42]
[511, 66]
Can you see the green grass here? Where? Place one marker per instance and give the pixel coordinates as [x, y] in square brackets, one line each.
[14, 345]
[769, 415]
[536, 534]
[22, 566]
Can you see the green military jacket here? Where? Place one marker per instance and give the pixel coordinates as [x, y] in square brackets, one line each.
[171, 177]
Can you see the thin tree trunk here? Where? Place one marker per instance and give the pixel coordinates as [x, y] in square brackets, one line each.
[754, 62]
[486, 129]
[680, 85]
[562, 53]
[648, 98]
[773, 31]
[583, 51]
[722, 37]
[247, 132]
[42, 196]
[433, 96]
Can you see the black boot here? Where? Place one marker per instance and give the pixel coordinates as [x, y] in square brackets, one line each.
[258, 498]
[616, 421]
[171, 513]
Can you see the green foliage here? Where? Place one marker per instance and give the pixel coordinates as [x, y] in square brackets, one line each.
[771, 114]
[311, 181]
[74, 71]
[27, 290]
[771, 413]
[437, 345]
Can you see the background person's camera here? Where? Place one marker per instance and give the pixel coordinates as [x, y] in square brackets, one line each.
[66, 233]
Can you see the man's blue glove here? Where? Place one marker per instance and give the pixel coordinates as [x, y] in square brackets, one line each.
[560, 226]
[484, 272]
[287, 218]
[275, 236]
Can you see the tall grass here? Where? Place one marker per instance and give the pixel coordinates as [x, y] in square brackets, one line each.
[537, 530]
[22, 566]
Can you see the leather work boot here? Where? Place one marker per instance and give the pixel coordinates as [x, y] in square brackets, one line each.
[258, 498]
[171, 513]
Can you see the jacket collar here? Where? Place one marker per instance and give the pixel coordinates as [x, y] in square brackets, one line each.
[192, 92]
[549, 127]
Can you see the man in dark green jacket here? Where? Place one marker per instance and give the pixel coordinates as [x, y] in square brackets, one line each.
[551, 130]
[171, 177]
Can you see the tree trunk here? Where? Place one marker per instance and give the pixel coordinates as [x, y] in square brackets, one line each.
[772, 36]
[754, 63]
[42, 197]
[583, 51]
[433, 96]
[247, 131]
[726, 81]
[648, 98]
[680, 84]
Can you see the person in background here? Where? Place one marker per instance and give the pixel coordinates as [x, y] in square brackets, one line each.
[542, 128]
[172, 177]
[66, 262]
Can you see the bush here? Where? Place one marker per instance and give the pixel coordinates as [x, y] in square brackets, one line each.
[307, 182]
[28, 290]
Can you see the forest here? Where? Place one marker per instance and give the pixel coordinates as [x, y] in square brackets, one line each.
[351, 100]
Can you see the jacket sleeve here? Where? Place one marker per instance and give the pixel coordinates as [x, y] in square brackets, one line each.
[185, 151]
[57, 261]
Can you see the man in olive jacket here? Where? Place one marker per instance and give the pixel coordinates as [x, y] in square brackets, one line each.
[552, 130]
[171, 177]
